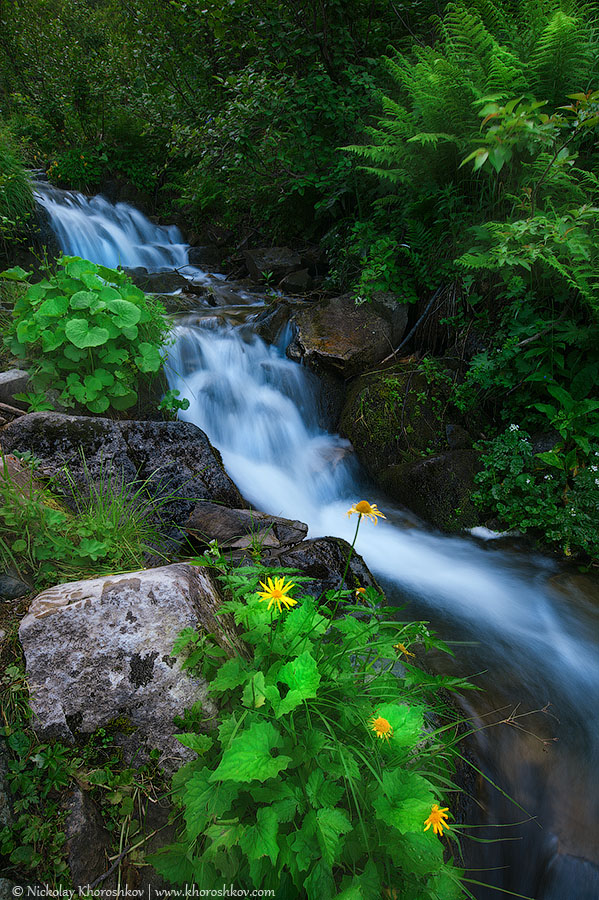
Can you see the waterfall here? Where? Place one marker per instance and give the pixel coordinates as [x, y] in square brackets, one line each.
[525, 630]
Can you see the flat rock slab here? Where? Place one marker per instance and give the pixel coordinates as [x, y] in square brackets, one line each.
[176, 460]
[340, 336]
[238, 529]
[102, 650]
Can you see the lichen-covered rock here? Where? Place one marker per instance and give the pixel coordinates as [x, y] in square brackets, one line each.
[102, 650]
[344, 337]
[237, 529]
[174, 460]
[323, 561]
[437, 488]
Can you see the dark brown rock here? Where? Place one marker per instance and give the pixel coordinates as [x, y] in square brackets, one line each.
[238, 529]
[296, 282]
[158, 282]
[279, 261]
[208, 258]
[338, 335]
[87, 840]
[323, 560]
[438, 488]
[174, 461]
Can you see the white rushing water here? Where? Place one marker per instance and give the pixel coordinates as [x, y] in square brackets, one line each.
[535, 636]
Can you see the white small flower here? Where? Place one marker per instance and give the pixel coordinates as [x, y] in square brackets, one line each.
[597, 481]
[516, 428]
[593, 468]
[548, 477]
[528, 481]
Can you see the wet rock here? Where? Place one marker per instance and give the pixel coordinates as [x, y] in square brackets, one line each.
[569, 876]
[158, 282]
[87, 840]
[101, 650]
[174, 461]
[207, 258]
[438, 488]
[391, 417]
[338, 335]
[269, 323]
[323, 560]
[280, 261]
[457, 437]
[241, 528]
[390, 307]
[296, 282]
[14, 381]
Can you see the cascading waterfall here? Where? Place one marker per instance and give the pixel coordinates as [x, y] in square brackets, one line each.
[528, 629]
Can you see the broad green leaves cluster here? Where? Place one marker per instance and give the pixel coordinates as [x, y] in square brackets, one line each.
[87, 333]
[294, 791]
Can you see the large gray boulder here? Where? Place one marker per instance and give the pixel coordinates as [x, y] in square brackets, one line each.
[99, 651]
[175, 461]
[13, 381]
[346, 338]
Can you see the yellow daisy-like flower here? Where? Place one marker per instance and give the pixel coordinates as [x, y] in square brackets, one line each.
[437, 819]
[276, 593]
[381, 727]
[359, 591]
[401, 648]
[366, 509]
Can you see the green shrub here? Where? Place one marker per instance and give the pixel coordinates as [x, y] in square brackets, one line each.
[359, 763]
[89, 334]
[553, 494]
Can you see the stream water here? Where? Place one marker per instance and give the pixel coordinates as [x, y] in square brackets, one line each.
[523, 629]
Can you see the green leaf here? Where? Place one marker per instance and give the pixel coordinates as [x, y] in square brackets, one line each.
[405, 801]
[76, 267]
[230, 675]
[126, 314]
[148, 359]
[15, 274]
[123, 401]
[552, 459]
[51, 340]
[54, 306]
[248, 758]
[322, 791]
[406, 721]
[175, 863]
[319, 884]
[98, 405]
[253, 694]
[203, 801]
[302, 677]
[261, 839]
[331, 825]
[200, 743]
[83, 299]
[81, 335]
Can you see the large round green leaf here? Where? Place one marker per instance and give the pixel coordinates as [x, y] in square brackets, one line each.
[80, 334]
[55, 306]
[125, 314]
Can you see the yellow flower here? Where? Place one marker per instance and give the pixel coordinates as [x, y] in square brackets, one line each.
[359, 591]
[276, 593]
[381, 727]
[401, 648]
[437, 820]
[364, 508]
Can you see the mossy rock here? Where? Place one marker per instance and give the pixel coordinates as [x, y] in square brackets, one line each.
[393, 417]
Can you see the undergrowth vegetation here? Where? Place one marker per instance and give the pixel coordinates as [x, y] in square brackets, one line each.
[331, 759]
[16, 196]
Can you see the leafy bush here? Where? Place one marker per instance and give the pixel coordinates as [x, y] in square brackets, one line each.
[553, 494]
[89, 334]
[359, 764]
